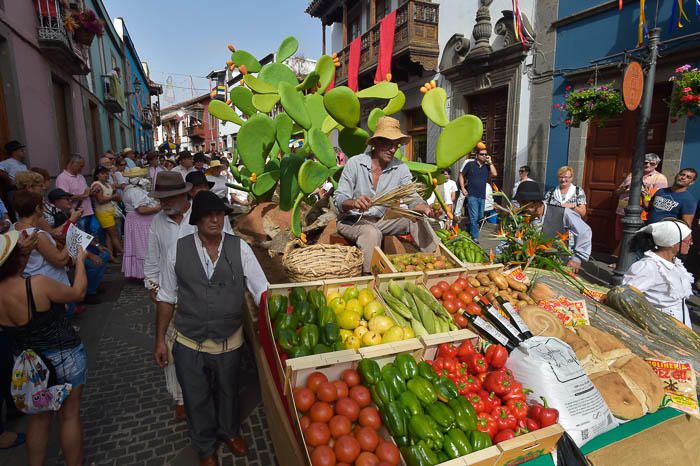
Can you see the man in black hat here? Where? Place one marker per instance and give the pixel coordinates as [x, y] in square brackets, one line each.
[557, 220]
[14, 161]
[206, 274]
[200, 160]
[184, 163]
[199, 183]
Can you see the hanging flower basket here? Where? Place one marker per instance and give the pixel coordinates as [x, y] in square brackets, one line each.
[685, 98]
[83, 37]
[600, 102]
[85, 26]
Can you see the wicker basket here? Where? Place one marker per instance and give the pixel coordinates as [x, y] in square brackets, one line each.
[321, 261]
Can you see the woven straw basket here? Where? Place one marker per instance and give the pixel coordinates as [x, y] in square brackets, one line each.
[321, 261]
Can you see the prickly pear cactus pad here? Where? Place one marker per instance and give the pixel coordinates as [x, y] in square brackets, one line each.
[307, 111]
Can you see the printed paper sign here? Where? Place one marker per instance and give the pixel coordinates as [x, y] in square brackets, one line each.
[76, 237]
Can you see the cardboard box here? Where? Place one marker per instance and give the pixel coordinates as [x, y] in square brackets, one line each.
[381, 262]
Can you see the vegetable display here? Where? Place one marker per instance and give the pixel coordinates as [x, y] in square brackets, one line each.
[462, 246]
[453, 405]
[421, 262]
[338, 423]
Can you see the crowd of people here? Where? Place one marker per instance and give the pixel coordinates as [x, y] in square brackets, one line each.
[137, 207]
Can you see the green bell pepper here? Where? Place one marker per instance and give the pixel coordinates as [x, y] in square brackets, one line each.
[460, 440]
[402, 441]
[415, 456]
[423, 389]
[305, 313]
[308, 336]
[450, 448]
[325, 315]
[442, 457]
[297, 295]
[285, 320]
[422, 427]
[330, 333]
[375, 396]
[406, 365]
[441, 414]
[393, 418]
[316, 298]
[369, 371]
[392, 377]
[299, 351]
[338, 346]
[384, 392]
[426, 371]
[465, 415]
[446, 388]
[320, 348]
[479, 440]
[287, 339]
[409, 402]
[276, 305]
[430, 456]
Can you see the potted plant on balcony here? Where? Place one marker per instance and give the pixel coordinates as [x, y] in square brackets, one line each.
[85, 26]
[594, 101]
[685, 99]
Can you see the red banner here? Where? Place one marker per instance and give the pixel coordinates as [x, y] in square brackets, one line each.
[386, 46]
[354, 63]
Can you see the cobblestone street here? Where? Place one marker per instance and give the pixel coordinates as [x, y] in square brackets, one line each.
[127, 413]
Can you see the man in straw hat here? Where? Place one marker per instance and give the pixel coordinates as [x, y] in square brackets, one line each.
[206, 274]
[129, 157]
[216, 173]
[556, 221]
[366, 175]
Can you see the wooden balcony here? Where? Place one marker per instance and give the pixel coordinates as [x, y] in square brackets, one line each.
[196, 131]
[415, 45]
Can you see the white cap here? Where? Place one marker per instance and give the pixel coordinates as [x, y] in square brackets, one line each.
[667, 233]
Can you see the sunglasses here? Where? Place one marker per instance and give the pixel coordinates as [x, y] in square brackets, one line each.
[522, 171]
[649, 163]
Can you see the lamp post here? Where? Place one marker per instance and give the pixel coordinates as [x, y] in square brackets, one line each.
[632, 220]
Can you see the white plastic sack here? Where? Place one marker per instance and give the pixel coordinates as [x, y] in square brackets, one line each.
[549, 368]
[30, 385]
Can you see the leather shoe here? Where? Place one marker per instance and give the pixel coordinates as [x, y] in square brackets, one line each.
[180, 413]
[237, 446]
[209, 461]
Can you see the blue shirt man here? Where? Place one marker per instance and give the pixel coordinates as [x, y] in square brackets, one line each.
[474, 178]
[675, 201]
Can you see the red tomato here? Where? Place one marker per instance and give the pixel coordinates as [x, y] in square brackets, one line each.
[346, 407]
[471, 291]
[462, 282]
[436, 291]
[461, 304]
[340, 425]
[473, 309]
[327, 392]
[361, 395]
[388, 452]
[315, 379]
[460, 320]
[369, 417]
[304, 422]
[367, 438]
[505, 434]
[466, 297]
[303, 398]
[367, 459]
[321, 412]
[346, 448]
[317, 434]
[350, 377]
[323, 456]
[444, 285]
[448, 296]
[456, 287]
[341, 389]
[450, 305]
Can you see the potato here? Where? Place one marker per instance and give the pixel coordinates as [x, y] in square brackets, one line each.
[493, 289]
[505, 295]
[522, 303]
[483, 279]
[491, 297]
[516, 285]
[473, 282]
[483, 290]
[498, 278]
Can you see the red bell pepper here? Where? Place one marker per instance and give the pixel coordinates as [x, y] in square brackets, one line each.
[505, 434]
[548, 416]
[497, 382]
[481, 377]
[504, 418]
[516, 392]
[447, 350]
[496, 356]
[490, 400]
[535, 411]
[477, 402]
[473, 384]
[518, 408]
[465, 349]
[451, 365]
[528, 423]
[476, 364]
[486, 423]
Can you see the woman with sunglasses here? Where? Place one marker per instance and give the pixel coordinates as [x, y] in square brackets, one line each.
[660, 275]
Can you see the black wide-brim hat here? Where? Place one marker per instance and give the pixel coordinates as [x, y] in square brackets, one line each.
[205, 202]
[528, 191]
[197, 178]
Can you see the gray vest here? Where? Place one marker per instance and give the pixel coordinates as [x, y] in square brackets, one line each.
[553, 221]
[209, 308]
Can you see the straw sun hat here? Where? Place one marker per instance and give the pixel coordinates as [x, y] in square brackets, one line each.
[8, 241]
[214, 164]
[389, 128]
[136, 172]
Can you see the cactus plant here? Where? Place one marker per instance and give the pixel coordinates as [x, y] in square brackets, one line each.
[343, 105]
[293, 103]
[242, 98]
[255, 139]
[220, 110]
[433, 105]
[322, 148]
[265, 102]
[243, 58]
[457, 138]
[287, 48]
[283, 131]
[275, 73]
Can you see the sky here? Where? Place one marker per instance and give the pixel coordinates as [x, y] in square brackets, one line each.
[183, 38]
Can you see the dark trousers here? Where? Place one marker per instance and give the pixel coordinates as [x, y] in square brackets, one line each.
[209, 385]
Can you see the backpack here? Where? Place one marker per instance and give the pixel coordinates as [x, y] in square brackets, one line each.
[30, 385]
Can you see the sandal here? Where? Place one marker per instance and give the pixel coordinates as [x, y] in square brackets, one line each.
[19, 440]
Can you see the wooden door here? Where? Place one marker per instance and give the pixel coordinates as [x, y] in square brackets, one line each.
[60, 105]
[492, 108]
[609, 151]
[95, 131]
[417, 128]
[4, 131]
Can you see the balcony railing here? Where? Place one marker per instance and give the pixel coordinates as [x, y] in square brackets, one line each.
[147, 117]
[55, 41]
[416, 33]
[196, 131]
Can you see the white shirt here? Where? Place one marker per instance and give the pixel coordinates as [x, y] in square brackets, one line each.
[182, 170]
[135, 197]
[488, 202]
[666, 285]
[219, 188]
[255, 279]
[447, 188]
[162, 237]
[11, 166]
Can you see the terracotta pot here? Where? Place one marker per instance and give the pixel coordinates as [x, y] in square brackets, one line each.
[83, 37]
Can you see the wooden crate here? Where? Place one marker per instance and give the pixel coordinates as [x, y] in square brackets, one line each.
[382, 264]
[382, 283]
[529, 446]
[285, 289]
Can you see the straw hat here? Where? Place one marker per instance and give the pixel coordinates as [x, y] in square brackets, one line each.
[212, 165]
[8, 241]
[135, 172]
[127, 150]
[389, 128]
